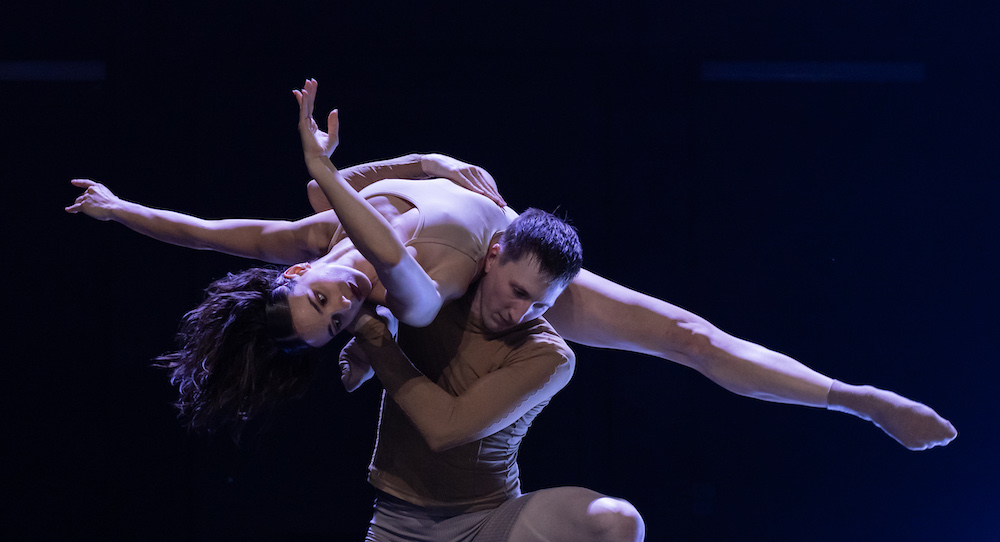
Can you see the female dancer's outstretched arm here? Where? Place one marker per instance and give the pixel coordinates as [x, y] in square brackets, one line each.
[273, 241]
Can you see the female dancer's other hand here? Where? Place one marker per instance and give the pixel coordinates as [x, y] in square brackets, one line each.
[373, 324]
[96, 201]
[315, 142]
[467, 176]
[355, 369]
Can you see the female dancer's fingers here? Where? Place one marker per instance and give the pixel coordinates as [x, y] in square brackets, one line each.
[333, 130]
[83, 183]
[77, 204]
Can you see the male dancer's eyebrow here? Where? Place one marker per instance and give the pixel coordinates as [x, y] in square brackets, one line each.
[520, 287]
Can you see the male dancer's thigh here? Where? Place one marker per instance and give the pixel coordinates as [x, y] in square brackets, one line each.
[569, 514]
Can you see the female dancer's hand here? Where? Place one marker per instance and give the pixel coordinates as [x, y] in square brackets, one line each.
[355, 369]
[373, 324]
[315, 142]
[467, 176]
[96, 201]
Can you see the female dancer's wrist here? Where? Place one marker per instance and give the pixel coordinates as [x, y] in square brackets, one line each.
[371, 329]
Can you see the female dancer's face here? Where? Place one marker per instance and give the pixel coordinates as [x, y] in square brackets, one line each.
[324, 299]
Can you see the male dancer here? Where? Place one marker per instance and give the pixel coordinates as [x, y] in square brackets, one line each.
[460, 395]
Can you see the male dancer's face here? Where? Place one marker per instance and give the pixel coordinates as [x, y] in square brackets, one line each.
[513, 292]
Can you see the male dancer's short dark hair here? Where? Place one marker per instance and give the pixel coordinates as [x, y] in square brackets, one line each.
[548, 239]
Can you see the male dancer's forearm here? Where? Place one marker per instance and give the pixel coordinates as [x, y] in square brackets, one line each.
[404, 167]
[427, 404]
[391, 365]
[370, 232]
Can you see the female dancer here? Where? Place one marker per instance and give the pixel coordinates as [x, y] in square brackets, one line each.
[372, 248]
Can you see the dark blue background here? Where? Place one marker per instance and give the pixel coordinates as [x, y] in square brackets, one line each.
[851, 225]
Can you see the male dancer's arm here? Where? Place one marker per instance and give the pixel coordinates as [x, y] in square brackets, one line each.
[414, 166]
[408, 166]
[533, 375]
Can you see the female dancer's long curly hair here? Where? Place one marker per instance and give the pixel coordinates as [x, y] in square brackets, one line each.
[237, 355]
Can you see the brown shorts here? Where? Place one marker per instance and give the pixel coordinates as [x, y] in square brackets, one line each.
[396, 520]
